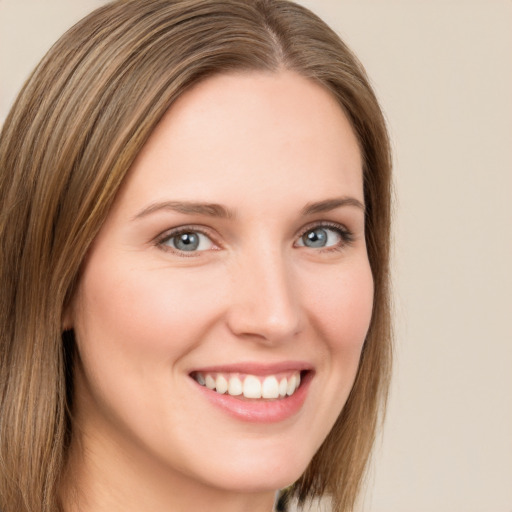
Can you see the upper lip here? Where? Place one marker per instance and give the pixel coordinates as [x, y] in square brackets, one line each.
[255, 368]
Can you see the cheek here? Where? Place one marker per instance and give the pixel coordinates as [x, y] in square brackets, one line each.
[154, 314]
[134, 329]
[341, 311]
[343, 308]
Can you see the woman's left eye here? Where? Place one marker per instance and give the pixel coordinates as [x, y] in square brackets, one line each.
[188, 241]
[321, 237]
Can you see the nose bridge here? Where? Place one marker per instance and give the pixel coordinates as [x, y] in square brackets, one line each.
[264, 299]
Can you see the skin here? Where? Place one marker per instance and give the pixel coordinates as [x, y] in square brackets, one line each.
[264, 146]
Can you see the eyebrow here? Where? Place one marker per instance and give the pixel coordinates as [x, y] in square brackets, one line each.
[219, 211]
[188, 208]
[331, 204]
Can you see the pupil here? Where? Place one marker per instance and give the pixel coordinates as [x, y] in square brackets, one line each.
[187, 242]
[315, 238]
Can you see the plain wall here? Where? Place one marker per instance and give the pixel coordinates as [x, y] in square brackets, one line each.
[443, 71]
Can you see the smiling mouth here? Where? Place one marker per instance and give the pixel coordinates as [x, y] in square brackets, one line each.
[251, 387]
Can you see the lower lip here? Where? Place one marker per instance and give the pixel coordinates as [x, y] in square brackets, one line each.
[260, 411]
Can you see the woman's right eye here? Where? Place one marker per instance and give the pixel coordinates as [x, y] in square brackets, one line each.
[187, 241]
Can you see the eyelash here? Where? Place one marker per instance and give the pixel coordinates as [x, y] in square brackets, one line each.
[173, 233]
[347, 237]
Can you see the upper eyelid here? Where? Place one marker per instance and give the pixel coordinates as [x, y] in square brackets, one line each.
[170, 232]
[323, 223]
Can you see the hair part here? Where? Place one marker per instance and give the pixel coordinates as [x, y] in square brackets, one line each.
[65, 148]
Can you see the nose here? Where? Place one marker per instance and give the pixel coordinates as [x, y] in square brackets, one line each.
[264, 301]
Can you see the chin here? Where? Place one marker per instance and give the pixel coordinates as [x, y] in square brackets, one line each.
[259, 470]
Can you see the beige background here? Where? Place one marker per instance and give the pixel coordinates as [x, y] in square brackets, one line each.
[443, 71]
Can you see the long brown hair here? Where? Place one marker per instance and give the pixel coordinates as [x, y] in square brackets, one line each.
[69, 140]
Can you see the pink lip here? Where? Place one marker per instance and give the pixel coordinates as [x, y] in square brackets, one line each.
[258, 369]
[257, 411]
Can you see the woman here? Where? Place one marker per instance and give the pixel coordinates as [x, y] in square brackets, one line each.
[195, 228]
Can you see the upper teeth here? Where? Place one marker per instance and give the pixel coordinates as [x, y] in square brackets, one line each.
[250, 386]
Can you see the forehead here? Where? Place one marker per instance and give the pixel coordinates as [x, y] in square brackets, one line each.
[247, 133]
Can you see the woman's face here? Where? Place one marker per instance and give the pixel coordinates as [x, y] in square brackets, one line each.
[232, 263]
